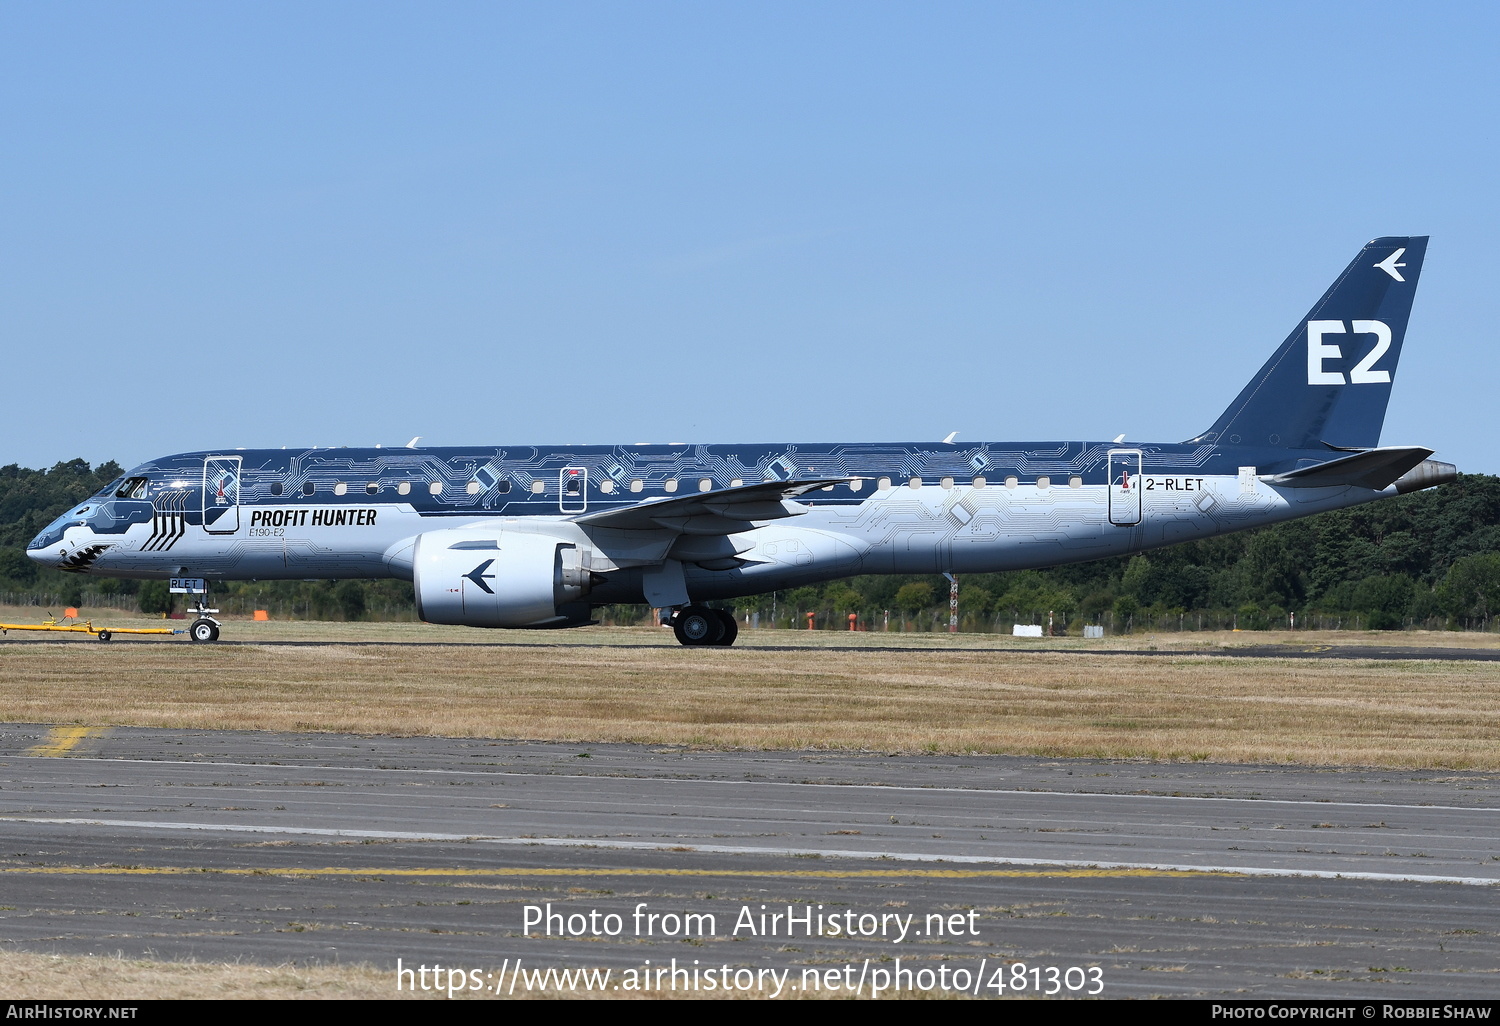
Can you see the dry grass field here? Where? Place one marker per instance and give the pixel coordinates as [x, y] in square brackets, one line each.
[846, 692]
[33, 977]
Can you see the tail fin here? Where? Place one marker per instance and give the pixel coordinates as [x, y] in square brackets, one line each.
[1328, 384]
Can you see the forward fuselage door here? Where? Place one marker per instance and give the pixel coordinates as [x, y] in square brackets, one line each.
[221, 494]
[572, 490]
[1125, 487]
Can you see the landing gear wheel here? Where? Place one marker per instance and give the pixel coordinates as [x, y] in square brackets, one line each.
[731, 629]
[105, 635]
[204, 630]
[697, 625]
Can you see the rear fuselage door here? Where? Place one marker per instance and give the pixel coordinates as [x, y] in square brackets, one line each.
[1125, 486]
[572, 490]
[221, 494]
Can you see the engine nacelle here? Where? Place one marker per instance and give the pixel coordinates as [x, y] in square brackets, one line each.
[498, 579]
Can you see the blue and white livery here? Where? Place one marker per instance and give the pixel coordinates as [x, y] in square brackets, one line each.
[535, 536]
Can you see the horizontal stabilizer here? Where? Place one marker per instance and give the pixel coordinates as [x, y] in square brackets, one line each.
[1374, 469]
[722, 511]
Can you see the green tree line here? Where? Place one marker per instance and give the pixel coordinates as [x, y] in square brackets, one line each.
[1430, 559]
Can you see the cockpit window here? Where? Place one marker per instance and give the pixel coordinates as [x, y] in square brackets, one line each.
[109, 489]
[132, 488]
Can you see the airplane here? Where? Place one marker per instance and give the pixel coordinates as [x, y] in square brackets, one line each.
[536, 536]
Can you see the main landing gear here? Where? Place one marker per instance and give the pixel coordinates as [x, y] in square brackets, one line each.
[699, 625]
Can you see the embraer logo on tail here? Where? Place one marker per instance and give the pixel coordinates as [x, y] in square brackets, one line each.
[1389, 265]
[1361, 374]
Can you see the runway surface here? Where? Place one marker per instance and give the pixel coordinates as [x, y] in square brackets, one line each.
[1185, 879]
[1398, 653]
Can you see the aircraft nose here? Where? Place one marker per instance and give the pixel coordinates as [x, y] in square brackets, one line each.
[49, 548]
[77, 557]
[49, 556]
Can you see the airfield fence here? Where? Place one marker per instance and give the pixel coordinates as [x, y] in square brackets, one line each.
[935, 621]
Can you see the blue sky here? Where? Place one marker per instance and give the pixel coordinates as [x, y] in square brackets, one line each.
[348, 223]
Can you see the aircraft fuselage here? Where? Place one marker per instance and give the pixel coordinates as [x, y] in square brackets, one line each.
[901, 508]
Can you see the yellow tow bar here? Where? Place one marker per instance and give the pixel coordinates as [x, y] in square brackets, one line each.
[85, 627]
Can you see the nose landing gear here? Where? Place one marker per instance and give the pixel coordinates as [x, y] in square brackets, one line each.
[700, 625]
[204, 627]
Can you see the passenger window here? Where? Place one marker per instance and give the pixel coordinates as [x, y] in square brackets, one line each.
[671, 484]
[947, 482]
[884, 484]
[472, 487]
[1075, 482]
[1043, 483]
[705, 484]
[637, 485]
[503, 486]
[538, 487]
[1011, 482]
[737, 483]
[275, 487]
[404, 488]
[606, 486]
[856, 485]
[308, 487]
[340, 488]
[372, 488]
[915, 483]
[979, 482]
[436, 488]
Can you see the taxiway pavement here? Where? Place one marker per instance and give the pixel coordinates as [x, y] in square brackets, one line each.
[1175, 879]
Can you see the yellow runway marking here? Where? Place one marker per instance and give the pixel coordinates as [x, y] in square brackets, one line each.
[62, 740]
[784, 874]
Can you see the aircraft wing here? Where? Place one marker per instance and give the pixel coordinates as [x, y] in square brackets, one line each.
[722, 511]
[1373, 468]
